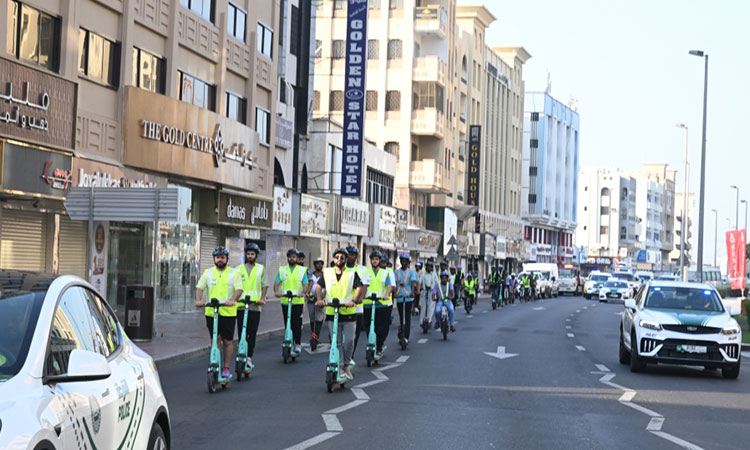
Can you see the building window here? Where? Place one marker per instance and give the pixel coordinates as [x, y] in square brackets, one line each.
[395, 4]
[149, 71]
[338, 51]
[604, 211]
[263, 125]
[393, 101]
[236, 20]
[371, 101]
[98, 58]
[336, 102]
[373, 4]
[316, 100]
[339, 4]
[36, 36]
[603, 230]
[318, 49]
[202, 8]
[392, 148]
[379, 187]
[236, 107]
[265, 39]
[293, 29]
[394, 49]
[373, 49]
[428, 95]
[196, 91]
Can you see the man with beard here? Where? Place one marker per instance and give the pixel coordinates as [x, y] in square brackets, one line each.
[292, 278]
[223, 284]
[427, 282]
[344, 284]
[317, 313]
[406, 286]
[254, 285]
[381, 286]
[359, 269]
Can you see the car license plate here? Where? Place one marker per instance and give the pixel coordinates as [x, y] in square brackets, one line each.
[692, 348]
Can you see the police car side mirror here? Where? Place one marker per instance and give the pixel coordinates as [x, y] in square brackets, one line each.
[630, 304]
[83, 365]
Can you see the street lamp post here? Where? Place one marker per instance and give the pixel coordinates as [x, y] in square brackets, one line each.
[703, 55]
[686, 177]
[716, 233]
[736, 208]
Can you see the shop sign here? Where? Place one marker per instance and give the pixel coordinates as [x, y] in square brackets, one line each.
[488, 245]
[501, 251]
[36, 106]
[424, 242]
[313, 220]
[401, 235]
[473, 243]
[35, 171]
[87, 174]
[385, 219]
[240, 211]
[599, 261]
[427, 13]
[284, 133]
[100, 245]
[472, 194]
[354, 98]
[355, 217]
[282, 209]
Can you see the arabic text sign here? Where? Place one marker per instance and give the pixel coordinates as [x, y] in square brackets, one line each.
[355, 217]
[282, 209]
[313, 220]
[354, 98]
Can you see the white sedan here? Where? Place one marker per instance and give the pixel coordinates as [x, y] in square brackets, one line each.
[69, 376]
[672, 322]
[614, 289]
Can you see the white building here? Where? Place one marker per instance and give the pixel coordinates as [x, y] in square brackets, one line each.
[674, 256]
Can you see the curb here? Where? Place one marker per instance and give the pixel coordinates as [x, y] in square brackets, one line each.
[745, 347]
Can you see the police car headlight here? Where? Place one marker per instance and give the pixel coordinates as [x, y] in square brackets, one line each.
[650, 325]
[730, 331]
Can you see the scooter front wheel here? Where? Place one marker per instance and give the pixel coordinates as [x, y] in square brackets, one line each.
[370, 357]
[329, 381]
[211, 378]
[403, 344]
[445, 331]
[285, 354]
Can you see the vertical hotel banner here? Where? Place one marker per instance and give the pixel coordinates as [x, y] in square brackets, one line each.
[472, 194]
[736, 258]
[354, 98]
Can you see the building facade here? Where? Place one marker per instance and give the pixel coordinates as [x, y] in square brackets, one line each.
[683, 224]
[549, 192]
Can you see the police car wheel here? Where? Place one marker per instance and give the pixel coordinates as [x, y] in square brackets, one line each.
[157, 440]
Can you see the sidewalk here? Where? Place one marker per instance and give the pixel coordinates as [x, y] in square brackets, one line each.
[181, 336]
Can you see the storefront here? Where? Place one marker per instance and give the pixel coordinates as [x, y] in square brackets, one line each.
[37, 137]
[349, 225]
[383, 237]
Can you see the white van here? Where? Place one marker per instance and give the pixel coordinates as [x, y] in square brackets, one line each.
[552, 275]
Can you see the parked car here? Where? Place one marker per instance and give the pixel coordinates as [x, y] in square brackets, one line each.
[69, 376]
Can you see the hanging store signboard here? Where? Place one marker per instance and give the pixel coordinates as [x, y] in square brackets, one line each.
[354, 98]
[313, 220]
[401, 235]
[282, 209]
[355, 217]
[384, 220]
[248, 212]
[472, 170]
[35, 171]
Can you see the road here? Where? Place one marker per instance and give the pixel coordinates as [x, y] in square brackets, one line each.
[564, 389]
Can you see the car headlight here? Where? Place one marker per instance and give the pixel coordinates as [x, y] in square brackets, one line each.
[730, 331]
[650, 325]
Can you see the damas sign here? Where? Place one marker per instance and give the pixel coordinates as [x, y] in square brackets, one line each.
[244, 211]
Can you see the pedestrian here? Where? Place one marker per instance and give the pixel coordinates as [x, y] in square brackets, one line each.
[428, 281]
[406, 285]
[254, 289]
[221, 283]
[361, 271]
[317, 313]
[292, 278]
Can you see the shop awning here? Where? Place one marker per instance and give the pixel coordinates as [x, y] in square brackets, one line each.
[122, 204]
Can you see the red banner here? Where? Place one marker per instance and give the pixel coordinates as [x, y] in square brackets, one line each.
[736, 258]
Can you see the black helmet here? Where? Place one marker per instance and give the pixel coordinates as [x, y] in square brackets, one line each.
[252, 247]
[444, 262]
[292, 251]
[376, 254]
[301, 254]
[352, 250]
[340, 251]
[429, 263]
[221, 250]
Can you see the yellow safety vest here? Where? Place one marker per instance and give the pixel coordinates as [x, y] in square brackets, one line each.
[292, 281]
[470, 286]
[378, 287]
[251, 284]
[443, 296]
[220, 287]
[342, 289]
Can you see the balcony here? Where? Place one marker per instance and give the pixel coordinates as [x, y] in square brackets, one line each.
[428, 176]
[431, 20]
[427, 122]
[430, 69]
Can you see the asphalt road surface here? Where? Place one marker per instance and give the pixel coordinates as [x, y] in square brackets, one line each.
[563, 388]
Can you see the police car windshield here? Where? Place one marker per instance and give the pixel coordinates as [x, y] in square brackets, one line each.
[567, 273]
[21, 298]
[616, 284]
[683, 298]
[599, 277]
[624, 276]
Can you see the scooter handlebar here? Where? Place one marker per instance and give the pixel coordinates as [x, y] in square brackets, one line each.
[213, 303]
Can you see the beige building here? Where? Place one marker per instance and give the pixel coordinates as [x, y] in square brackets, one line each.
[153, 93]
[683, 227]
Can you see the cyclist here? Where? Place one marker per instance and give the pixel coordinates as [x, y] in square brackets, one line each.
[292, 278]
[427, 282]
[442, 293]
[223, 284]
[381, 285]
[343, 284]
[406, 286]
[352, 266]
[317, 313]
[254, 284]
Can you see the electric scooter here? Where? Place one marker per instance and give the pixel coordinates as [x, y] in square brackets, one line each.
[371, 354]
[401, 338]
[287, 347]
[468, 302]
[444, 320]
[333, 369]
[241, 366]
[214, 365]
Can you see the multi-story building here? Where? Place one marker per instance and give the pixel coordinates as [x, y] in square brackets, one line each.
[177, 94]
[683, 226]
[549, 192]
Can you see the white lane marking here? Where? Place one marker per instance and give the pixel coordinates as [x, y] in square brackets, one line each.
[538, 308]
[627, 396]
[332, 422]
[642, 409]
[602, 367]
[346, 407]
[585, 307]
[485, 311]
[500, 353]
[402, 359]
[469, 316]
[370, 383]
[315, 440]
[655, 424]
[676, 440]
[360, 394]
[594, 305]
[422, 341]
[578, 310]
[380, 375]
[570, 335]
[568, 327]
[567, 320]
[322, 348]
[581, 348]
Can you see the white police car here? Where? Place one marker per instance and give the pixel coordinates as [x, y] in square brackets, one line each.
[614, 289]
[671, 322]
[69, 376]
[594, 283]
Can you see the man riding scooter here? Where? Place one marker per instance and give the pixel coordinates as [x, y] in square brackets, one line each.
[442, 293]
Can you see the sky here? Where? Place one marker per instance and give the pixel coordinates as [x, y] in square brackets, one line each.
[627, 65]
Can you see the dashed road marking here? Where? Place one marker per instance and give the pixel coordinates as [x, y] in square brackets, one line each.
[655, 424]
[570, 335]
[602, 367]
[581, 348]
[578, 310]
[627, 396]
[402, 359]
[332, 422]
[422, 341]
[567, 320]
[313, 441]
[346, 407]
[469, 316]
[568, 327]
[360, 394]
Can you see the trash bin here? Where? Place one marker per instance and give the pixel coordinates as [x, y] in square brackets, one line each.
[139, 312]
